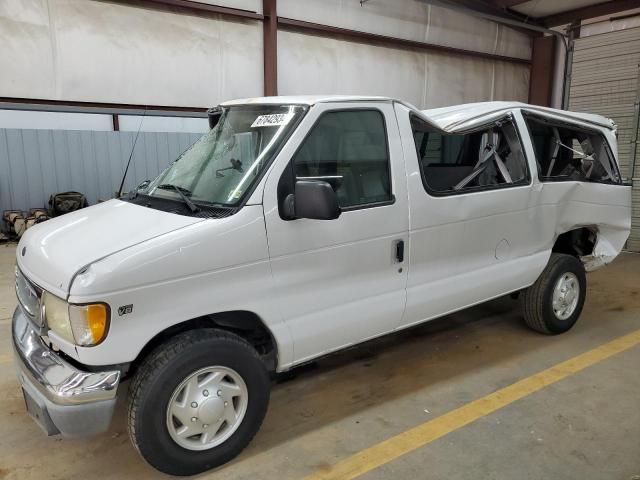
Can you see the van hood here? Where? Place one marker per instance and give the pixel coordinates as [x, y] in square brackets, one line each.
[51, 253]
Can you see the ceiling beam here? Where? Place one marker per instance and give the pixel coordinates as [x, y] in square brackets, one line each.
[508, 3]
[383, 40]
[195, 7]
[488, 6]
[44, 105]
[597, 10]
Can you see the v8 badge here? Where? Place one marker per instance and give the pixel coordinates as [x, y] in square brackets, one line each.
[124, 309]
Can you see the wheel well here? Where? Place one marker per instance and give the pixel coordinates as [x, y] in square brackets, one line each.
[243, 323]
[578, 242]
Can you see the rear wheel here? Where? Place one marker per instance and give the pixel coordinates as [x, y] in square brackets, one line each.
[197, 401]
[553, 304]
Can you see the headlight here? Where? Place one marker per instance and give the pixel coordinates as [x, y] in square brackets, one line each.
[56, 313]
[84, 325]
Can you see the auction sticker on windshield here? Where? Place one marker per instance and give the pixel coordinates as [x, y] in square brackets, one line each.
[272, 120]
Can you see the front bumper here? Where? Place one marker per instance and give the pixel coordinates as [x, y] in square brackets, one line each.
[61, 398]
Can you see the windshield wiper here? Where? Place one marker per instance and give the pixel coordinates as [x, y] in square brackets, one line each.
[214, 204]
[183, 192]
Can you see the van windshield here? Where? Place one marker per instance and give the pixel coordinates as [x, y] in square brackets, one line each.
[225, 163]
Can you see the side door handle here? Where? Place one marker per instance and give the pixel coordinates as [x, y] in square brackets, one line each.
[400, 251]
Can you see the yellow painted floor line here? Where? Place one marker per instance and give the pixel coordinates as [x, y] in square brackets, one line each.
[403, 443]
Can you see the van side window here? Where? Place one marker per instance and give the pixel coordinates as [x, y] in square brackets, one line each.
[491, 157]
[348, 149]
[571, 153]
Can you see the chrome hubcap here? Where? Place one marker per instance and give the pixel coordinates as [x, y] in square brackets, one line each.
[566, 294]
[206, 408]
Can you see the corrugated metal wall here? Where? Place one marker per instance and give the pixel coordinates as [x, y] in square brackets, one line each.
[605, 79]
[37, 163]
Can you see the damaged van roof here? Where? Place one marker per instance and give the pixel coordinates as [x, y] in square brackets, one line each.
[467, 115]
[455, 117]
[305, 99]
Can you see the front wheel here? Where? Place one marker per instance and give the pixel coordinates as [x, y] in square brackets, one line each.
[197, 401]
[553, 304]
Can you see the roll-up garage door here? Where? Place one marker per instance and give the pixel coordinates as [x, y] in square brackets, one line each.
[605, 79]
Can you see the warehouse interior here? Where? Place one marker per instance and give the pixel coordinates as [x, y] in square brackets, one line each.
[99, 96]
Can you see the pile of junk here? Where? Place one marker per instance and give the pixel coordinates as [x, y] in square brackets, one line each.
[16, 222]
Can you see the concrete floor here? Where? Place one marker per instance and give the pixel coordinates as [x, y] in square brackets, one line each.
[586, 426]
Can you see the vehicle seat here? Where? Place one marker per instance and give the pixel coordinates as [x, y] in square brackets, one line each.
[366, 159]
[442, 176]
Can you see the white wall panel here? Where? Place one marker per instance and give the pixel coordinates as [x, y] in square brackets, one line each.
[103, 52]
[310, 64]
[131, 123]
[399, 18]
[251, 5]
[80, 50]
[26, 54]
[411, 20]
[512, 43]
[55, 120]
[511, 82]
[456, 79]
[455, 29]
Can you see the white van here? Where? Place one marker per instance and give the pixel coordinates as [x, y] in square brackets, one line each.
[298, 226]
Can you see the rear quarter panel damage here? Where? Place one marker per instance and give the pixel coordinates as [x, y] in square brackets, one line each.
[606, 209]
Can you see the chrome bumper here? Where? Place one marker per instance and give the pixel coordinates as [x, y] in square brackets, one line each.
[60, 397]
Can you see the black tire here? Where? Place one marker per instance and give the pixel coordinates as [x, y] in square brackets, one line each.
[537, 300]
[160, 374]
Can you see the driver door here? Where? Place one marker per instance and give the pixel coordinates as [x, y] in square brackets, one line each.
[342, 281]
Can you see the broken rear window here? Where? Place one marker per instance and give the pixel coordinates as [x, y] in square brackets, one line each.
[491, 157]
[569, 153]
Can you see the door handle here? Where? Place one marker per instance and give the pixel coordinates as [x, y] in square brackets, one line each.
[400, 251]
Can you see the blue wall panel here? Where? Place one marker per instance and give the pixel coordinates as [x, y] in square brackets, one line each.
[37, 163]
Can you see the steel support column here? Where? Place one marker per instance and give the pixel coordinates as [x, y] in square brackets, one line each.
[542, 70]
[270, 47]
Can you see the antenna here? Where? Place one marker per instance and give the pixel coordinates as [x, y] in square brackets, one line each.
[135, 140]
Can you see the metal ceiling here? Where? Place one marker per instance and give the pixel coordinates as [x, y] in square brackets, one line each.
[549, 13]
[544, 8]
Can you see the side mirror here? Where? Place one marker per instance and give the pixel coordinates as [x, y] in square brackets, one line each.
[214, 115]
[143, 185]
[315, 200]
